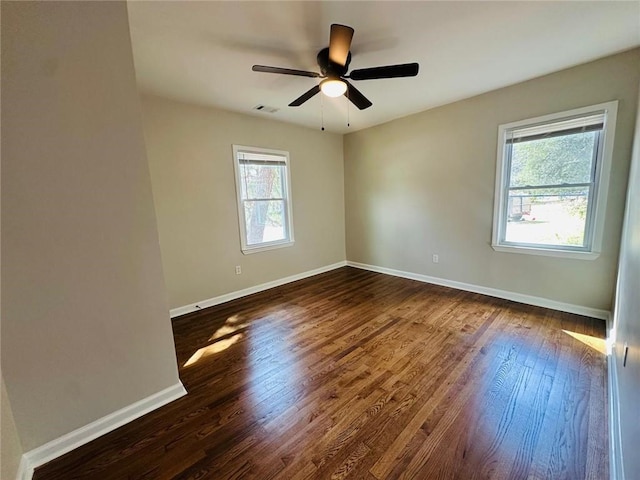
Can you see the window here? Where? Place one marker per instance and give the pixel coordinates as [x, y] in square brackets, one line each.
[264, 198]
[551, 182]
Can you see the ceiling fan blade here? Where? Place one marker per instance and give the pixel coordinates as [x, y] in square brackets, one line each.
[357, 98]
[284, 71]
[388, 71]
[305, 96]
[340, 43]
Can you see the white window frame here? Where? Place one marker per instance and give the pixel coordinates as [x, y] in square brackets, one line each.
[288, 241]
[596, 216]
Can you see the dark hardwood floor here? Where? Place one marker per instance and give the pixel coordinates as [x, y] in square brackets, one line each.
[358, 375]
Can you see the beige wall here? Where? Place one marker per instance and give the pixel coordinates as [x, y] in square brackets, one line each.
[627, 319]
[424, 184]
[191, 162]
[85, 325]
[10, 447]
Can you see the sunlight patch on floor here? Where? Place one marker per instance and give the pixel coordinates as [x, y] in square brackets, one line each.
[226, 330]
[216, 347]
[230, 326]
[598, 344]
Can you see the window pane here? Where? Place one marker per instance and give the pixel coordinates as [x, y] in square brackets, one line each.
[261, 181]
[265, 221]
[553, 161]
[547, 216]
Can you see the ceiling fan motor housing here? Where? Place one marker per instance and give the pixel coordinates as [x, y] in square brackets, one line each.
[329, 68]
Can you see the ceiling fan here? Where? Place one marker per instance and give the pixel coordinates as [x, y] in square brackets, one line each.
[334, 64]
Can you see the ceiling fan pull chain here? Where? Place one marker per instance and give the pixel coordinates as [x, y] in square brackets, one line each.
[322, 112]
[348, 110]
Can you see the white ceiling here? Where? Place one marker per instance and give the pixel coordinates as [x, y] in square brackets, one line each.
[202, 52]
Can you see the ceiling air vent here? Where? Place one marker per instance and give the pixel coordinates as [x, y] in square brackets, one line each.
[265, 108]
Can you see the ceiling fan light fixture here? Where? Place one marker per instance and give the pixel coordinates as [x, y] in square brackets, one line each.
[333, 87]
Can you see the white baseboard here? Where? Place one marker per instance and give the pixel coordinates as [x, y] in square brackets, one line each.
[194, 307]
[492, 292]
[616, 470]
[55, 448]
[64, 444]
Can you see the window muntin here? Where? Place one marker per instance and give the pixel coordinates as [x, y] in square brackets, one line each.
[552, 180]
[264, 198]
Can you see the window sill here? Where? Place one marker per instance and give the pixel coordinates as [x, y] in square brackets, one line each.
[547, 252]
[263, 248]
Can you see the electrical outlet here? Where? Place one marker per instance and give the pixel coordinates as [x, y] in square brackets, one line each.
[435, 258]
[238, 270]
